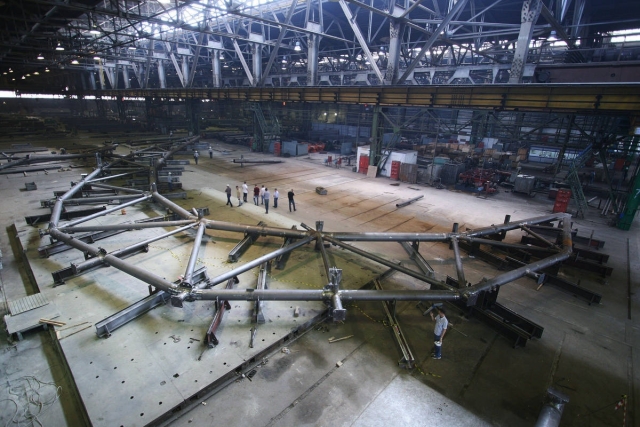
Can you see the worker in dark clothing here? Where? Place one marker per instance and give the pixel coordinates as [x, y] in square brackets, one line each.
[290, 195]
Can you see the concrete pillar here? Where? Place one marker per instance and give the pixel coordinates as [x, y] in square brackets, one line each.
[312, 60]
[92, 80]
[257, 63]
[529, 16]
[125, 76]
[393, 60]
[217, 73]
[161, 75]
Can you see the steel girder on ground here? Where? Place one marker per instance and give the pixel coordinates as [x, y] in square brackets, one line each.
[195, 285]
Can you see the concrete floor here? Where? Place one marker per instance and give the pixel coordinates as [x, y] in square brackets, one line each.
[585, 351]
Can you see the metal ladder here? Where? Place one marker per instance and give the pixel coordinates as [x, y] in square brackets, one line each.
[574, 181]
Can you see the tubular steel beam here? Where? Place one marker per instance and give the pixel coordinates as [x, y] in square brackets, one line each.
[382, 261]
[387, 237]
[193, 258]
[157, 197]
[120, 253]
[459, 270]
[57, 208]
[414, 254]
[132, 270]
[256, 262]
[472, 292]
[603, 98]
[128, 226]
[263, 231]
[323, 295]
[107, 211]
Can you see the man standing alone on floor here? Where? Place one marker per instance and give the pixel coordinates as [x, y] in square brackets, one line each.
[256, 194]
[290, 195]
[228, 191]
[195, 156]
[245, 191]
[210, 152]
[265, 197]
[276, 195]
[439, 331]
[238, 195]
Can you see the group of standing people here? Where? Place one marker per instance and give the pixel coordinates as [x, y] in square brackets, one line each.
[260, 194]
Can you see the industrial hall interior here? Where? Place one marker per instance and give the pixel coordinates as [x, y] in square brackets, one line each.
[356, 213]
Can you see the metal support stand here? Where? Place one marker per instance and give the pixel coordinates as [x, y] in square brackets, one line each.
[243, 245]
[407, 361]
[263, 277]
[210, 338]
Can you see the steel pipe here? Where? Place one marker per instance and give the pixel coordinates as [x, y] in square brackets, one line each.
[408, 202]
[388, 237]
[99, 199]
[128, 226]
[512, 275]
[494, 229]
[383, 261]
[256, 262]
[94, 262]
[114, 187]
[57, 208]
[117, 263]
[507, 245]
[120, 175]
[252, 229]
[102, 213]
[539, 237]
[322, 295]
[193, 258]
[459, 270]
[178, 210]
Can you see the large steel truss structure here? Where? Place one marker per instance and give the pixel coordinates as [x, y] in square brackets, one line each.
[195, 285]
[212, 43]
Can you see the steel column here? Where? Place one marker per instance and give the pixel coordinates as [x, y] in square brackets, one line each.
[529, 15]
[193, 258]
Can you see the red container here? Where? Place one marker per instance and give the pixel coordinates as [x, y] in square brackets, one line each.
[395, 170]
[364, 164]
[562, 201]
[276, 149]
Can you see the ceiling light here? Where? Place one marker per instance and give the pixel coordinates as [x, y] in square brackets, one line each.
[40, 56]
[10, 70]
[221, 55]
[23, 77]
[297, 48]
[4, 74]
[36, 73]
[59, 47]
[75, 62]
[97, 58]
[28, 75]
[13, 80]
[132, 48]
[552, 36]
[94, 31]
[46, 70]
